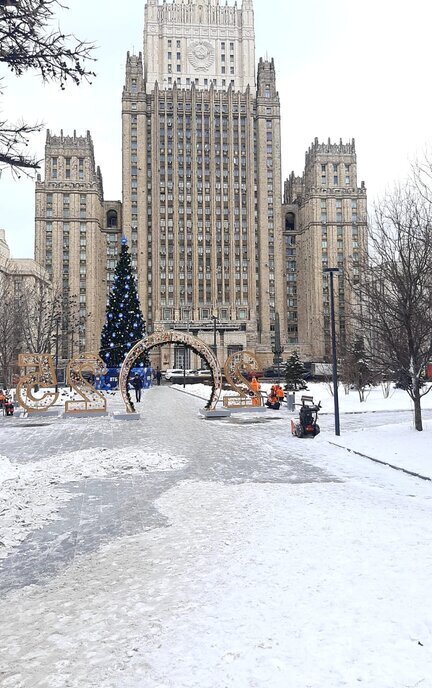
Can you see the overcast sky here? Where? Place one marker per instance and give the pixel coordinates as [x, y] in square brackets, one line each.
[345, 70]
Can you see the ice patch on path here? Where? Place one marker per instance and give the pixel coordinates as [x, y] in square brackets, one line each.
[31, 494]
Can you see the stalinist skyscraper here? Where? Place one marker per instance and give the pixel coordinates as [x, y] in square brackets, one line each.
[202, 176]
[216, 249]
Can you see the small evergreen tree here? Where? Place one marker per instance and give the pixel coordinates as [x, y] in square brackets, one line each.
[356, 370]
[124, 325]
[294, 372]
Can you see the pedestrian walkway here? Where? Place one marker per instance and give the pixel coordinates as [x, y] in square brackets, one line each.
[221, 568]
[103, 510]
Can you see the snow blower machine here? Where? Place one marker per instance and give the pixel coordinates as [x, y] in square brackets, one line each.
[306, 425]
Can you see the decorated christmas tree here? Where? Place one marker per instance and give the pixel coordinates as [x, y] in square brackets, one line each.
[124, 325]
[294, 372]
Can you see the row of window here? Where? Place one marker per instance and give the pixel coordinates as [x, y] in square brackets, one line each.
[68, 168]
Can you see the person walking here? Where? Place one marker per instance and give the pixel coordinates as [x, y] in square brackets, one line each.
[158, 376]
[137, 384]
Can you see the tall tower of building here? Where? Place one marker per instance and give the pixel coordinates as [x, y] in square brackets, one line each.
[202, 176]
[325, 226]
[77, 235]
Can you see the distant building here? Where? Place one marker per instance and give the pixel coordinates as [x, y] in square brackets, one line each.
[20, 270]
[77, 238]
[325, 215]
[20, 278]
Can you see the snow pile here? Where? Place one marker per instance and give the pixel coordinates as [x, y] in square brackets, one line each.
[31, 494]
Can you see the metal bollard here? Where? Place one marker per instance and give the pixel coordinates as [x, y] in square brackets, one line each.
[290, 399]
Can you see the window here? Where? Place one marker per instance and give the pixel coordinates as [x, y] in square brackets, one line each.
[54, 162]
[66, 205]
[112, 218]
[81, 168]
[67, 168]
[49, 205]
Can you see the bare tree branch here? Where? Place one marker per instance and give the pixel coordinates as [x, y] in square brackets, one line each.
[395, 296]
[29, 41]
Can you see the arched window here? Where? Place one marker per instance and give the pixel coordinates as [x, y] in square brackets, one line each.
[112, 218]
[290, 222]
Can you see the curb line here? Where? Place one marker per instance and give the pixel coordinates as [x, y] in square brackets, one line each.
[183, 391]
[383, 463]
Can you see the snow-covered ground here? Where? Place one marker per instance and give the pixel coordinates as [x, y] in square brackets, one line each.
[32, 494]
[398, 400]
[397, 443]
[267, 560]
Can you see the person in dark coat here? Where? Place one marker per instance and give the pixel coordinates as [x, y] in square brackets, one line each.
[137, 384]
[9, 407]
[158, 376]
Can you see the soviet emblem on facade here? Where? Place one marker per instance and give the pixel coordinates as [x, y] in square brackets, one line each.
[201, 55]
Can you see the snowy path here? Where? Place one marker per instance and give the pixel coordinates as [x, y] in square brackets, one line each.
[249, 559]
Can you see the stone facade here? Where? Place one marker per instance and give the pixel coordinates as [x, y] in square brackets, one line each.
[77, 238]
[217, 250]
[24, 269]
[202, 177]
[325, 226]
[199, 42]
[21, 279]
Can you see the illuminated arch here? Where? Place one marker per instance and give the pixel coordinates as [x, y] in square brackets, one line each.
[171, 337]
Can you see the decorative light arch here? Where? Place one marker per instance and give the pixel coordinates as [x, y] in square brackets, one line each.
[171, 337]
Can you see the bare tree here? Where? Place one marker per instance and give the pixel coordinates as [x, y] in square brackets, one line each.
[28, 42]
[10, 328]
[395, 294]
[41, 310]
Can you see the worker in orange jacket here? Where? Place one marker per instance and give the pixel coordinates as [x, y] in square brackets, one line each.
[255, 387]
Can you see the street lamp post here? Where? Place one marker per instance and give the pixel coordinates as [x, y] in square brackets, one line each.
[57, 350]
[278, 348]
[184, 351]
[214, 318]
[332, 272]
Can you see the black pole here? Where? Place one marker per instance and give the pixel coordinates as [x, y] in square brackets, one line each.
[335, 375]
[214, 335]
[278, 348]
[184, 367]
[57, 353]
